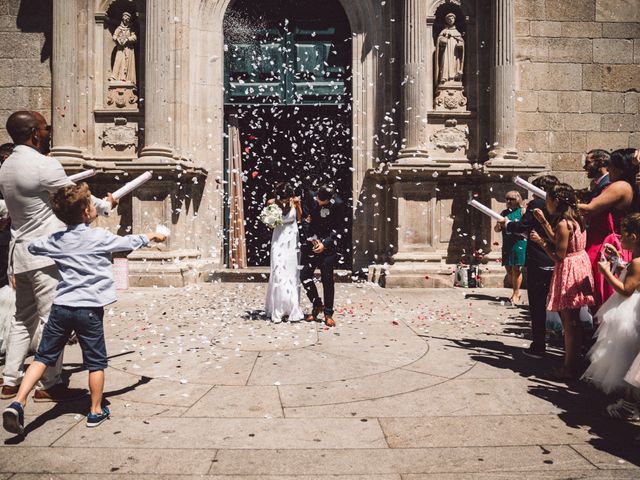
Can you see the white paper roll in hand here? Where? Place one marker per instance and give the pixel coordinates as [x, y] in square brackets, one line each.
[132, 185]
[532, 188]
[486, 210]
[76, 177]
[162, 230]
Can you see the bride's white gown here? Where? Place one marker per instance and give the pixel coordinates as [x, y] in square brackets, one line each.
[283, 292]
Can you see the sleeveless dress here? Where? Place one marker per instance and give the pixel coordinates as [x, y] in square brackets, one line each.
[572, 280]
[603, 228]
[617, 341]
[514, 247]
[283, 291]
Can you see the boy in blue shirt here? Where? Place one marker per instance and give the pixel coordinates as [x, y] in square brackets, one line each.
[83, 257]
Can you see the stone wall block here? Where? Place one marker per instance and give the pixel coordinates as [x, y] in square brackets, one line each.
[621, 30]
[620, 123]
[12, 98]
[8, 75]
[578, 142]
[522, 28]
[621, 78]
[567, 161]
[608, 102]
[574, 102]
[526, 101]
[617, 11]
[574, 50]
[530, 9]
[636, 50]
[24, 45]
[581, 122]
[32, 73]
[592, 77]
[567, 10]
[547, 101]
[545, 29]
[540, 121]
[39, 98]
[554, 76]
[7, 23]
[607, 140]
[534, 49]
[558, 141]
[634, 139]
[612, 50]
[531, 157]
[632, 102]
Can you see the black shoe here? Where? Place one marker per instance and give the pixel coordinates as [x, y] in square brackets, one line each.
[532, 353]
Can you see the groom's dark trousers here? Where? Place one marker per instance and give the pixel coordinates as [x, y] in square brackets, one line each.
[325, 262]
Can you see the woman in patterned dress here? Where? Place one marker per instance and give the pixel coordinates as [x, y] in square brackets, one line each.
[572, 280]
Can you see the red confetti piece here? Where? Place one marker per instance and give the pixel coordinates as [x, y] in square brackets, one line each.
[254, 174]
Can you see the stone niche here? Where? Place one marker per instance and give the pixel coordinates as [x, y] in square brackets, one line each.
[463, 146]
[119, 79]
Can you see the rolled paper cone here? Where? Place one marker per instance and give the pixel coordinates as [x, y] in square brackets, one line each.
[532, 188]
[162, 230]
[82, 175]
[132, 185]
[486, 210]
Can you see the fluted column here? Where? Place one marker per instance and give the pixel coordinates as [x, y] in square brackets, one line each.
[160, 80]
[503, 75]
[65, 111]
[414, 79]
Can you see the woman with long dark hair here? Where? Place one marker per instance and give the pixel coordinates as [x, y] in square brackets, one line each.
[605, 212]
[283, 291]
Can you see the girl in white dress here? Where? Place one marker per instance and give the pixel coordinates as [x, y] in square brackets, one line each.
[283, 292]
[618, 337]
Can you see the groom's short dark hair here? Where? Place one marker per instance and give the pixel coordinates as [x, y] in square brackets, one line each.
[325, 192]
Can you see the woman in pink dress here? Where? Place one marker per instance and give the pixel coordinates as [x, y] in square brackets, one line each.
[572, 280]
[604, 214]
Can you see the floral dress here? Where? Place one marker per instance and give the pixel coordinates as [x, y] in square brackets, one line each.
[572, 280]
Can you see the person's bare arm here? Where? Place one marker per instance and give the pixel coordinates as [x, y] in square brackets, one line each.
[631, 281]
[562, 235]
[614, 196]
[539, 214]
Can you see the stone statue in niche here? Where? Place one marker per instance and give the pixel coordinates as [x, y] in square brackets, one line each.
[449, 67]
[124, 65]
[450, 52]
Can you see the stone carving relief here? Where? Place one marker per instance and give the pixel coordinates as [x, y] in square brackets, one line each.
[452, 138]
[449, 67]
[120, 136]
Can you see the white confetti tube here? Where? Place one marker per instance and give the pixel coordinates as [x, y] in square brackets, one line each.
[486, 210]
[132, 185]
[538, 192]
[76, 177]
[163, 230]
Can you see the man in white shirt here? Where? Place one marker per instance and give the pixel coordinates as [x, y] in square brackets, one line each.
[26, 179]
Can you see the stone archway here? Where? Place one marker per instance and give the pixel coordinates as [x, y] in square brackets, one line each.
[206, 115]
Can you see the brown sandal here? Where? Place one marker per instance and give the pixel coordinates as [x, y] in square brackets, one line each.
[313, 316]
[329, 321]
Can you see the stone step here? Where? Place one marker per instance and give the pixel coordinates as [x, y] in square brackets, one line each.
[261, 275]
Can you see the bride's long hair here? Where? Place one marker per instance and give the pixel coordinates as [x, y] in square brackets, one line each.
[283, 192]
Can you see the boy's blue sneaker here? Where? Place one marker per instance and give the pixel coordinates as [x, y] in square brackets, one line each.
[13, 418]
[95, 419]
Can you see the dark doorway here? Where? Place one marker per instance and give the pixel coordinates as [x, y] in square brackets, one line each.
[288, 82]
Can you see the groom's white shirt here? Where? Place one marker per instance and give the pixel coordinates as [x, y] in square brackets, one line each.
[26, 179]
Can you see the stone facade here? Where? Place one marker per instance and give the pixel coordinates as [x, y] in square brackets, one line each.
[579, 87]
[543, 81]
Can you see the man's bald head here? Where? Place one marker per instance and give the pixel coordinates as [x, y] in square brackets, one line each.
[20, 125]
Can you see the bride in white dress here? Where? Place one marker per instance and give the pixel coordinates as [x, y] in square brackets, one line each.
[283, 292]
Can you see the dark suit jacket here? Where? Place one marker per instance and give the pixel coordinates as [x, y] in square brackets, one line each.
[328, 223]
[598, 188]
[536, 256]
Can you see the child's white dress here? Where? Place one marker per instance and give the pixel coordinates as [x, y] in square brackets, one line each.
[617, 341]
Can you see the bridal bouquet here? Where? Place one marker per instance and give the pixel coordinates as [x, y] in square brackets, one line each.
[271, 216]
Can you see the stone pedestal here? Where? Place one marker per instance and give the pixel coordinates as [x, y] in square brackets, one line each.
[122, 95]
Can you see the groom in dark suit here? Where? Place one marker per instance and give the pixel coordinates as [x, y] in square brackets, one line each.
[323, 227]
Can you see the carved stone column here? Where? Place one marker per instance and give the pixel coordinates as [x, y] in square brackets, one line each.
[65, 111]
[160, 78]
[414, 88]
[503, 70]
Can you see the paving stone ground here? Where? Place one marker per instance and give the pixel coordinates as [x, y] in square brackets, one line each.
[411, 384]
